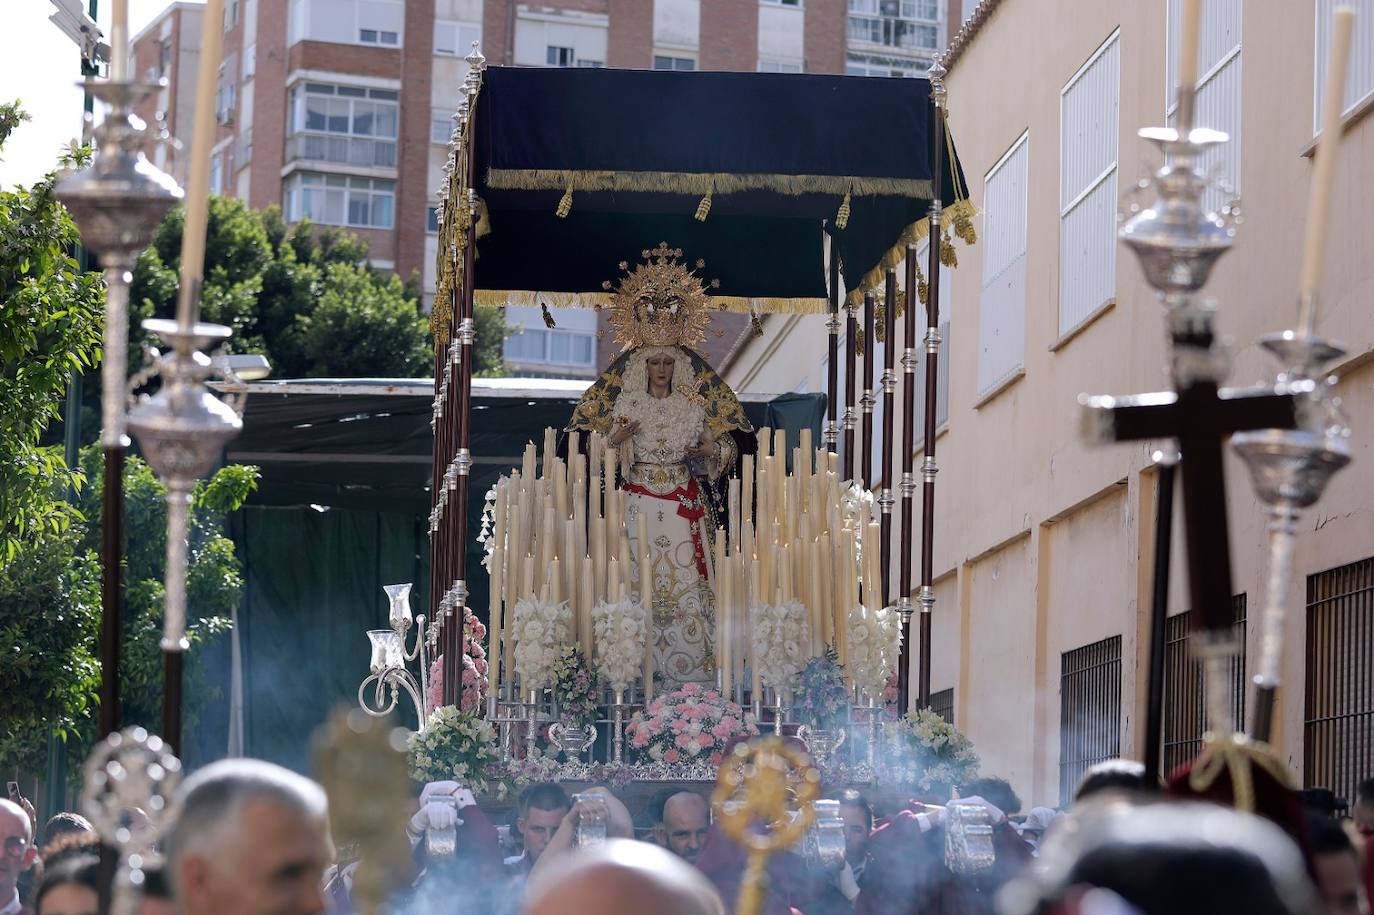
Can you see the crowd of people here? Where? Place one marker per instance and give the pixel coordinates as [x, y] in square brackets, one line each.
[252, 838]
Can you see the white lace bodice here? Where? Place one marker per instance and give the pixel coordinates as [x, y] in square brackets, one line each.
[667, 426]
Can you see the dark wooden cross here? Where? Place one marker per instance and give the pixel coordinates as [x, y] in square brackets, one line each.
[1201, 417]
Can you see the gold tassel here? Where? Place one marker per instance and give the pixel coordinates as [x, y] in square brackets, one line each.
[704, 208]
[963, 222]
[947, 255]
[565, 204]
[842, 217]
[859, 341]
[755, 324]
[880, 323]
[548, 318]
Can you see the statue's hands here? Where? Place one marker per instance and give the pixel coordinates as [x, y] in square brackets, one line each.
[703, 449]
[623, 432]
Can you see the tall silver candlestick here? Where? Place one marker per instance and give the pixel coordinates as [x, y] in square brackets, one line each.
[118, 202]
[1289, 469]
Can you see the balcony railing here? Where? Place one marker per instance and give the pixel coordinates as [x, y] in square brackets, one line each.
[324, 147]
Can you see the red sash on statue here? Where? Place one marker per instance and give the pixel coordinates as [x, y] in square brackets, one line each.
[688, 499]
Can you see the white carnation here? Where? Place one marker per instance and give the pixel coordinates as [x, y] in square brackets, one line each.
[779, 631]
[622, 630]
[542, 631]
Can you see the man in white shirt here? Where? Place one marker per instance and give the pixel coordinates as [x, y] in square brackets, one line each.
[17, 854]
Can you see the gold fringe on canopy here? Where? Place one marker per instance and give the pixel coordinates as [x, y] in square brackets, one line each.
[700, 184]
[956, 218]
[738, 304]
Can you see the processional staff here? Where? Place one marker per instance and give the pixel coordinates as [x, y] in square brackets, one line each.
[1178, 243]
[1290, 468]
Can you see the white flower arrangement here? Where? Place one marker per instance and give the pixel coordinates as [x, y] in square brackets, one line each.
[621, 630]
[875, 645]
[487, 535]
[453, 745]
[780, 631]
[542, 631]
[928, 752]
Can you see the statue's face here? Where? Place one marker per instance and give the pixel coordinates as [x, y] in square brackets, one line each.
[660, 368]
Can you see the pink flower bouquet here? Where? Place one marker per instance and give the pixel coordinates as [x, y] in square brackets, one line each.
[688, 725]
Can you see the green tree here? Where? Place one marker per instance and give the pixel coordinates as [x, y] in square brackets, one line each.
[50, 325]
[214, 577]
[51, 314]
[303, 296]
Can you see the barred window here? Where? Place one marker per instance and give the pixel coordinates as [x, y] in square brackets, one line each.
[1338, 732]
[1089, 710]
[1185, 717]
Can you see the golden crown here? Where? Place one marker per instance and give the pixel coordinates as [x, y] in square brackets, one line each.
[661, 302]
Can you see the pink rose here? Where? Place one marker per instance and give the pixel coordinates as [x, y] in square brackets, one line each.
[671, 757]
[679, 725]
[656, 706]
[729, 723]
[723, 732]
[715, 759]
[704, 741]
[684, 740]
[641, 739]
[712, 694]
[691, 688]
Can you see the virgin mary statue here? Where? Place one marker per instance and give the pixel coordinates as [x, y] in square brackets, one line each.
[679, 431]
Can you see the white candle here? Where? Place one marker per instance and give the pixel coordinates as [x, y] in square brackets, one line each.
[119, 41]
[1324, 168]
[494, 626]
[747, 482]
[1189, 28]
[587, 598]
[198, 184]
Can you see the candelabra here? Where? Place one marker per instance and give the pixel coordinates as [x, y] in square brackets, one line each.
[390, 676]
[1289, 469]
[118, 202]
[130, 778]
[182, 430]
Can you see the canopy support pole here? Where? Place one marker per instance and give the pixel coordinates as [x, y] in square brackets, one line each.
[928, 466]
[904, 607]
[831, 434]
[870, 396]
[850, 420]
[885, 500]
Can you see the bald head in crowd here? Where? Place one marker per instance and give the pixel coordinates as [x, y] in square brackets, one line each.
[686, 820]
[17, 853]
[622, 877]
[250, 838]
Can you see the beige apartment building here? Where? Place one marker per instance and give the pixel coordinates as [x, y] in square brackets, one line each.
[1043, 543]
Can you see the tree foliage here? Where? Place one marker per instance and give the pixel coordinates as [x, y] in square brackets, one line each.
[51, 315]
[50, 325]
[301, 295]
[214, 576]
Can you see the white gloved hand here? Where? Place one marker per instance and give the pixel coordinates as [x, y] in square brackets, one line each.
[845, 882]
[974, 800]
[432, 789]
[434, 815]
[931, 818]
